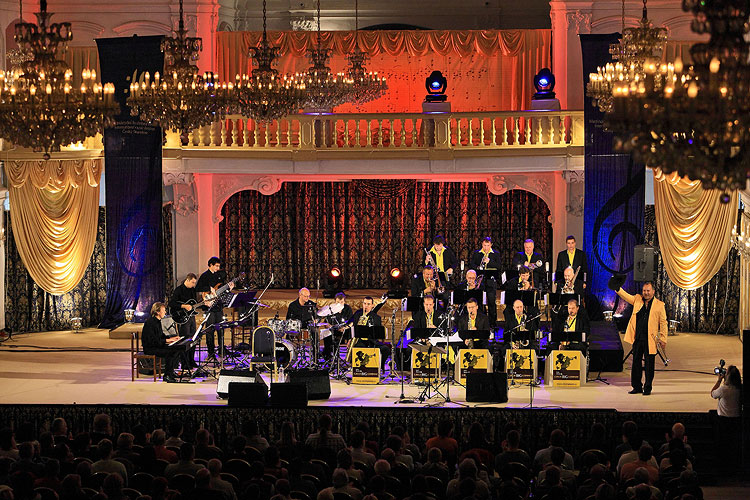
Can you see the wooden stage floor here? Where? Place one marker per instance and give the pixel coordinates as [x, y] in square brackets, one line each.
[89, 368]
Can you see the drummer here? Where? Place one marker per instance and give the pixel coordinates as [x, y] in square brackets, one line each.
[335, 314]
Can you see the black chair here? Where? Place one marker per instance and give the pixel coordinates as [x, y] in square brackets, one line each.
[520, 471]
[253, 454]
[158, 467]
[435, 486]
[264, 348]
[46, 493]
[141, 481]
[314, 480]
[129, 466]
[231, 479]
[131, 493]
[183, 483]
[340, 495]
[201, 461]
[96, 480]
[299, 495]
[90, 492]
[238, 468]
[394, 486]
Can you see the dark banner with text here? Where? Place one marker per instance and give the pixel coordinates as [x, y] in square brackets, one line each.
[614, 198]
[132, 152]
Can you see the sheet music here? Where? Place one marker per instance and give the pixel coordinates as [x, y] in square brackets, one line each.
[441, 340]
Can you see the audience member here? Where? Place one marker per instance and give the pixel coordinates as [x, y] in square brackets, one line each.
[435, 466]
[479, 446]
[543, 456]
[107, 464]
[645, 460]
[324, 438]
[204, 447]
[447, 444]
[158, 440]
[341, 485]
[512, 452]
[467, 470]
[175, 429]
[641, 476]
[185, 465]
[112, 486]
[8, 448]
[252, 434]
[359, 453]
[217, 483]
[677, 432]
[102, 428]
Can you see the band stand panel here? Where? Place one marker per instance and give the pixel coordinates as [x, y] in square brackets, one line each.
[424, 367]
[471, 361]
[565, 368]
[365, 365]
[521, 365]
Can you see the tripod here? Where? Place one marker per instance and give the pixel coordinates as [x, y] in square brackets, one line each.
[339, 371]
[392, 370]
[430, 386]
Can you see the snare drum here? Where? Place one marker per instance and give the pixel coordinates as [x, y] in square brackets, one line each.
[293, 326]
[286, 354]
[277, 325]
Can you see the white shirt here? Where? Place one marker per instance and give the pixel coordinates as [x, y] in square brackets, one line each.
[729, 400]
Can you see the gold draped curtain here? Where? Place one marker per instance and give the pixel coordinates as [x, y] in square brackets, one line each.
[694, 229]
[487, 70]
[54, 210]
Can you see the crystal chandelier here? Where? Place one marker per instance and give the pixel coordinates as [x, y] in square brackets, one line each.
[324, 89]
[263, 95]
[183, 99]
[16, 57]
[636, 46]
[367, 86]
[39, 106]
[694, 120]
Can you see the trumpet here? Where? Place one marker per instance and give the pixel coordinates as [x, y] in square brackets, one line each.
[570, 285]
[661, 351]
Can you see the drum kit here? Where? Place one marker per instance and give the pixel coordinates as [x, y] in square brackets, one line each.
[295, 345]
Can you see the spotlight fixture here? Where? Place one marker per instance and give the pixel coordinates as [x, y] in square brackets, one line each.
[436, 84]
[332, 282]
[544, 83]
[396, 280]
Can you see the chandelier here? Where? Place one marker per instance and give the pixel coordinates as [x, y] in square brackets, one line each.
[264, 95]
[636, 46]
[324, 89]
[39, 106]
[694, 120]
[182, 99]
[366, 86]
[18, 56]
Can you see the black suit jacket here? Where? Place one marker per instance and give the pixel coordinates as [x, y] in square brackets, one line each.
[511, 322]
[519, 259]
[577, 287]
[482, 322]
[579, 259]
[582, 323]
[417, 287]
[419, 318]
[152, 336]
[449, 258]
[477, 256]
[372, 320]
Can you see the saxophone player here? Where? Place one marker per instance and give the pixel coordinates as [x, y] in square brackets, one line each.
[647, 331]
[474, 320]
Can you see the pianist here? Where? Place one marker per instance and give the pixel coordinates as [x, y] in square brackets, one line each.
[155, 343]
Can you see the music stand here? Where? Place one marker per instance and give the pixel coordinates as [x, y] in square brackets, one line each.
[474, 334]
[488, 274]
[429, 350]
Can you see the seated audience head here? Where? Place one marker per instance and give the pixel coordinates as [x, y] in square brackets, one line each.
[557, 438]
[203, 479]
[467, 468]
[641, 476]
[340, 478]
[214, 467]
[557, 456]
[105, 449]
[434, 455]
[158, 438]
[382, 467]
[357, 439]
[445, 427]
[552, 475]
[645, 452]
[344, 459]
[112, 486]
[605, 491]
[187, 452]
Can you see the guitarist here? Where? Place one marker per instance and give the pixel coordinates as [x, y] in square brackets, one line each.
[208, 282]
[179, 304]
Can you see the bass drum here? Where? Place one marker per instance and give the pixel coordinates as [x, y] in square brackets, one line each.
[286, 354]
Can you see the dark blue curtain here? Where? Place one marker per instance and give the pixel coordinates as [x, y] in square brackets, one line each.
[614, 193]
[132, 152]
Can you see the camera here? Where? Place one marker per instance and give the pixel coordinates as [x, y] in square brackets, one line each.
[720, 370]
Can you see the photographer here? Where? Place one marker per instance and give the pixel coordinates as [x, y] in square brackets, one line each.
[729, 394]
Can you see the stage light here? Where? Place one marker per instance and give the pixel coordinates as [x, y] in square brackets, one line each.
[436, 84]
[396, 282]
[544, 83]
[332, 282]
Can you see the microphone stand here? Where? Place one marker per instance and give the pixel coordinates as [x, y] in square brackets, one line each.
[392, 371]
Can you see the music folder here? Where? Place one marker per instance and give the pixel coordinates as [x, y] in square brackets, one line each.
[488, 273]
[474, 334]
[421, 333]
[369, 332]
[433, 349]
[462, 296]
[562, 336]
[561, 299]
[528, 297]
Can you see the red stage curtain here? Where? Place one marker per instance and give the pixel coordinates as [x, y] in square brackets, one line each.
[367, 228]
[486, 70]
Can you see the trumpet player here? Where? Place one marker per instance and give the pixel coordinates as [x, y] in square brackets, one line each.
[647, 331]
[424, 283]
[570, 283]
[532, 260]
[571, 257]
[486, 258]
[442, 258]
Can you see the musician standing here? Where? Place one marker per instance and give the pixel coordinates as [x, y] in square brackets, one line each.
[571, 257]
[647, 326]
[532, 260]
[474, 320]
[207, 284]
[183, 298]
[487, 258]
[155, 343]
[443, 258]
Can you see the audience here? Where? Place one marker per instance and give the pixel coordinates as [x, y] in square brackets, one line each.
[107, 464]
[543, 456]
[185, 465]
[447, 444]
[324, 438]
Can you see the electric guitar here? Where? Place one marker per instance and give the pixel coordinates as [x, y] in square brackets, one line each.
[182, 315]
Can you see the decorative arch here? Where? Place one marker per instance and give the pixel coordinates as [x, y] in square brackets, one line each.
[225, 186]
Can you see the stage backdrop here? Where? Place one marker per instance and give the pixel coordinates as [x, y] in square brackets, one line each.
[368, 227]
[614, 193]
[132, 150]
[487, 70]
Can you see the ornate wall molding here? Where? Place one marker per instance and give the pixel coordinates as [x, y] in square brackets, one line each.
[574, 176]
[581, 21]
[539, 184]
[575, 206]
[185, 205]
[225, 185]
[172, 178]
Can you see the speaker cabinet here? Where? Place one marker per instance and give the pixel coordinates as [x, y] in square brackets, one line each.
[289, 395]
[487, 387]
[317, 382]
[254, 395]
[644, 263]
[239, 376]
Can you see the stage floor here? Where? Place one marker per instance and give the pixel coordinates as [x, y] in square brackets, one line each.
[89, 368]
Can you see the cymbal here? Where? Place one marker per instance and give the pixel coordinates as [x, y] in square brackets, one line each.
[330, 309]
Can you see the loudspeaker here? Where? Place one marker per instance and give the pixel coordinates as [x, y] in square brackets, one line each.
[240, 376]
[487, 387]
[289, 395]
[644, 263]
[317, 382]
[244, 395]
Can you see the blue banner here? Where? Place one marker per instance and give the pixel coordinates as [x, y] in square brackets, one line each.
[132, 152]
[614, 200]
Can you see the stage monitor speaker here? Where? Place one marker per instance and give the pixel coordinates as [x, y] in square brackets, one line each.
[644, 263]
[289, 395]
[240, 376]
[487, 387]
[254, 395]
[317, 381]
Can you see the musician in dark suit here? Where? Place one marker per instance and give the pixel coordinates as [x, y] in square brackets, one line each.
[566, 283]
[181, 301]
[443, 257]
[302, 308]
[522, 282]
[155, 343]
[487, 258]
[576, 321]
[368, 316]
[208, 282]
[515, 316]
[428, 316]
[531, 259]
[571, 257]
[474, 320]
[425, 283]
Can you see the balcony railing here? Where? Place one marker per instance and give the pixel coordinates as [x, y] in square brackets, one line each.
[396, 131]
